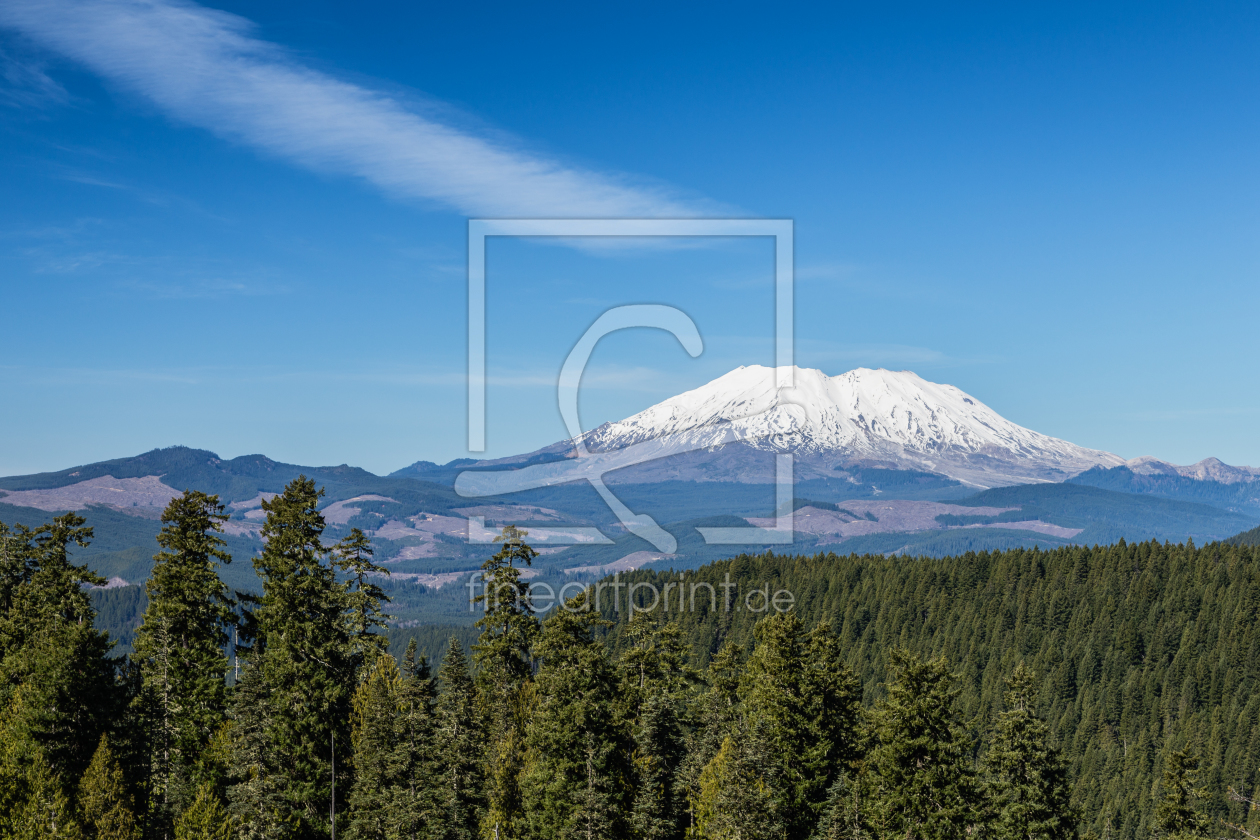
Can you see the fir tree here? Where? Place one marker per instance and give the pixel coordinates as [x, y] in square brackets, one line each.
[108, 812]
[52, 653]
[718, 716]
[798, 695]
[180, 650]
[46, 812]
[17, 564]
[655, 679]
[576, 767]
[258, 781]
[461, 738]
[737, 793]
[419, 805]
[502, 655]
[924, 785]
[374, 738]
[845, 815]
[205, 818]
[596, 815]
[1027, 778]
[301, 668]
[18, 755]
[69, 694]
[353, 557]
[396, 790]
[1178, 815]
[50, 589]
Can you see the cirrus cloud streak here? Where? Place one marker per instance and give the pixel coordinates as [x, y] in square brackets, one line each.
[206, 68]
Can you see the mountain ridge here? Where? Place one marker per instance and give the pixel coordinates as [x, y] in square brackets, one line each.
[731, 428]
[864, 416]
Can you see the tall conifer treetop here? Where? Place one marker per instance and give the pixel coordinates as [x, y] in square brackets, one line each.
[55, 673]
[107, 809]
[1026, 776]
[353, 557]
[293, 709]
[1178, 812]
[180, 651]
[56, 590]
[507, 622]
[925, 786]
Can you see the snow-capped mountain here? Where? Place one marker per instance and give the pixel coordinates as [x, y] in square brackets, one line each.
[860, 418]
[730, 429]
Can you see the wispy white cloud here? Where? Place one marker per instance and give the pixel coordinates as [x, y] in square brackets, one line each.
[25, 83]
[207, 68]
[203, 288]
[84, 249]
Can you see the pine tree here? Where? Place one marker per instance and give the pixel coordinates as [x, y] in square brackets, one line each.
[374, 738]
[845, 814]
[1177, 815]
[420, 807]
[353, 557]
[924, 785]
[718, 716]
[655, 678]
[1026, 776]
[108, 811]
[502, 655]
[180, 651]
[205, 818]
[52, 653]
[798, 694]
[46, 812]
[737, 793]
[576, 766]
[461, 737]
[301, 667]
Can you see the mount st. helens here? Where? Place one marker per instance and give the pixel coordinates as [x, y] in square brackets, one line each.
[863, 418]
[885, 462]
[729, 430]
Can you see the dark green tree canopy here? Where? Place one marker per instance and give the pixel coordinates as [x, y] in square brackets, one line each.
[180, 651]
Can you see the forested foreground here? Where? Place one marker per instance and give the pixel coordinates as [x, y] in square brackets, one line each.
[983, 696]
[1139, 651]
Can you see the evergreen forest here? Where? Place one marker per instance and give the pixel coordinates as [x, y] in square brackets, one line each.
[1107, 692]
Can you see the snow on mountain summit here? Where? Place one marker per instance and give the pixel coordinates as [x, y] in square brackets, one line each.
[872, 417]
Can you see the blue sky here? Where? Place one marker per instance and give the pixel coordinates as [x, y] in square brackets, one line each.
[242, 227]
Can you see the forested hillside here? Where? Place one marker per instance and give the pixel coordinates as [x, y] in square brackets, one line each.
[1251, 537]
[1110, 692]
[1140, 650]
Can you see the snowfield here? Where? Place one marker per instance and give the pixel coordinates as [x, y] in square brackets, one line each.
[863, 417]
